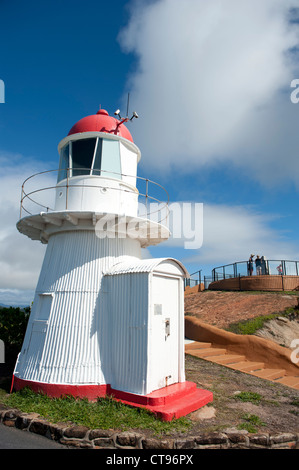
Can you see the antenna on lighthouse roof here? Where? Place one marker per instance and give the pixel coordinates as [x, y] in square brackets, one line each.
[128, 100]
[126, 119]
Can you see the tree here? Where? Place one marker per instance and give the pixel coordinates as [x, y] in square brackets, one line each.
[13, 323]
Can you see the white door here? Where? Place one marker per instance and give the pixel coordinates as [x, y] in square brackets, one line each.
[164, 352]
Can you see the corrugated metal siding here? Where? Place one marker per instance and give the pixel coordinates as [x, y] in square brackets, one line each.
[144, 266]
[75, 261]
[99, 326]
[76, 331]
[128, 317]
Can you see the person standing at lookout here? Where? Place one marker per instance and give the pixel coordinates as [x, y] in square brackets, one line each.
[258, 265]
[250, 265]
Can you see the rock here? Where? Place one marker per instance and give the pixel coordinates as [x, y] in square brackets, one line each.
[282, 331]
[282, 319]
[104, 442]
[77, 432]
[24, 420]
[206, 412]
[211, 438]
[127, 439]
[39, 426]
[98, 433]
[157, 444]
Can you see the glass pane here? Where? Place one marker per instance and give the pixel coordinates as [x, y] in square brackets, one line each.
[98, 159]
[274, 267]
[111, 159]
[242, 269]
[290, 268]
[82, 155]
[64, 163]
[229, 270]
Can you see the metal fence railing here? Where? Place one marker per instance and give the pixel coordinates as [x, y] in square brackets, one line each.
[268, 267]
[194, 280]
[39, 191]
[207, 281]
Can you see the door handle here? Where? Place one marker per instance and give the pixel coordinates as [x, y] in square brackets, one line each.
[167, 327]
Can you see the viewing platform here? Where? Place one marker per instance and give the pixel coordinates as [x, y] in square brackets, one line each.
[276, 275]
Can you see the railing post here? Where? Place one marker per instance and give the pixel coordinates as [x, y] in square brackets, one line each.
[283, 265]
[146, 196]
[67, 188]
[21, 205]
[235, 270]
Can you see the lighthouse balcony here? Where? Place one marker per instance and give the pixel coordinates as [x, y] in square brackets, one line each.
[49, 202]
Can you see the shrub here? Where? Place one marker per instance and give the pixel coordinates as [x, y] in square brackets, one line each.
[13, 323]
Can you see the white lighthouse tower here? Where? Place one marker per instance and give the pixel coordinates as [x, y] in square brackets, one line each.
[104, 320]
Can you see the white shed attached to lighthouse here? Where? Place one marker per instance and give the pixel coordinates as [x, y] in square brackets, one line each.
[103, 319]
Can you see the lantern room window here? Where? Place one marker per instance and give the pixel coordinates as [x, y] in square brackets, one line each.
[82, 156]
[110, 164]
[64, 163]
[92, 156]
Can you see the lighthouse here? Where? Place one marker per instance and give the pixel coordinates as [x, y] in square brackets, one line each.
[104, 320]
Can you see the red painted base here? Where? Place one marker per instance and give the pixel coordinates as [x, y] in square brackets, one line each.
[167, 403]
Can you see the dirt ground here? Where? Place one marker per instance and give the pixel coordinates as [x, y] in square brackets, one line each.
[278, 408]
[220, 308]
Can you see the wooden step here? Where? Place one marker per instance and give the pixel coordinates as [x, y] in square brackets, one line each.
[227, 359]
[289, 380]
[206, 352]
[270, 374]
[247, 366]
[197, 345]
[221, 356]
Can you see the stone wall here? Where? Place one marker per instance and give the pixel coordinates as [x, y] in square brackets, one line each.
[83, 437]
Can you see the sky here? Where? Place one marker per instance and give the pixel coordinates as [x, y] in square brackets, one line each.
[214, 85]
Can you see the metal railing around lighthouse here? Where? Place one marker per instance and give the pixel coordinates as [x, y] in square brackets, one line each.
[153, 199]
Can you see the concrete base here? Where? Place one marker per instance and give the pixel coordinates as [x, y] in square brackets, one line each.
[167, 403]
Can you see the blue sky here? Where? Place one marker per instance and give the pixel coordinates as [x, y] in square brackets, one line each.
[211, 84]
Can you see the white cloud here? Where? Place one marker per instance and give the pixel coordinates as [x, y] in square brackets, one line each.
[209, 84]
[232, 233]
[20, 257]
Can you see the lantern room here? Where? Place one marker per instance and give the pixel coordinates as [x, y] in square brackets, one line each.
[98, 167]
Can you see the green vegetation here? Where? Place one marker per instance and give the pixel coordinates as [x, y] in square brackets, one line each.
[251, 423]
[13, 323]
[249, 396]
[106, 413]
[249, 327]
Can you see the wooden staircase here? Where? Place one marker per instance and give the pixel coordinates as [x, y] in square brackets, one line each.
[239, 362]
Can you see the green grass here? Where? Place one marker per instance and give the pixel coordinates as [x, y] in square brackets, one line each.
[249, 396]
[106, 413]
[249, 327]
[251, 423]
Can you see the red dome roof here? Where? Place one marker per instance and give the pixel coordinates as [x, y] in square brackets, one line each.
[101, 122]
